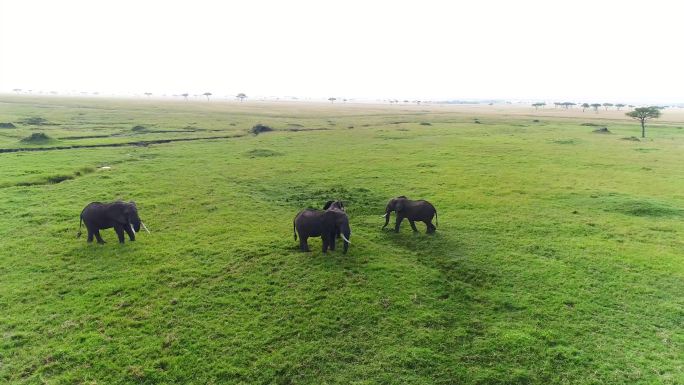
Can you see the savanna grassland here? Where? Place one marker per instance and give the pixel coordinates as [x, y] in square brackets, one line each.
[558, 259]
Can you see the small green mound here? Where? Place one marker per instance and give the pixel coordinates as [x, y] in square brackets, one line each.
[357, 200]
[565, 141]
[259, 128]
[262, 153]
[139, 128]
[425, 124]
[35, 121]
[58, 178]
[643, 208]
[7, 125]
[37, 138]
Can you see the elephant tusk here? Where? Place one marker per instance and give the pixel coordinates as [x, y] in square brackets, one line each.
[145, 227]
[382, 216]
[132, 229]
[345, 239]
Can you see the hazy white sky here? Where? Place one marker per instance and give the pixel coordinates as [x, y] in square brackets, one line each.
[588, 50]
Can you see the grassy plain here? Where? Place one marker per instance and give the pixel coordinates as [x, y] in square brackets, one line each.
[559, 256]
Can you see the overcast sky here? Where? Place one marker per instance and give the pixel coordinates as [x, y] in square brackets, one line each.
[588, 50]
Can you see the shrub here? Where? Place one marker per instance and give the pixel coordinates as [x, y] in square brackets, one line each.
[259, 128]
[37, 137]
[34, 121]
[7, 125]
[602, 130]
[262, 153]
[425, 124]
[138, 128]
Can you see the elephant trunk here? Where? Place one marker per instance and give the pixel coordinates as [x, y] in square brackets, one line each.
[388, 214]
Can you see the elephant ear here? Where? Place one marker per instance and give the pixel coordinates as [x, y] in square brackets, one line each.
[399, 206]
[118, 212]
[327, 205]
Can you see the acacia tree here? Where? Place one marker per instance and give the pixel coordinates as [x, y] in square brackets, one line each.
[207, 94]
[606, 105]
[619, 105]
[185, 95]
[332, 100]
[585, 106]
[537, 105]
[643, 114]
[596, 106]
[17, 90]
[241, 96]
[148, 94]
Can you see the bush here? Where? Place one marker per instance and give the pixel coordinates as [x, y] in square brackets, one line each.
[138, 128]
[35, 121]
[602, 130]
[425, 124]
[262, 153]
[37, 138]
[7, 125]
[259, 128]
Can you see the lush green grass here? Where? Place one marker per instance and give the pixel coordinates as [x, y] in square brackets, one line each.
[558, 258]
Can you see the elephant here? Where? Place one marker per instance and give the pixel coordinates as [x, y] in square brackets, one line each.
[335, 205]
[325, 224]
[122, 216]
[420, 210]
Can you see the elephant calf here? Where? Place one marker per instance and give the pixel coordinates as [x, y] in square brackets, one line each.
[122, 216]
[325, 224]
[414, 211]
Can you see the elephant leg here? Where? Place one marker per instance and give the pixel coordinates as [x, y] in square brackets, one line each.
[398, 223]
[413, 225]
[430, 227]
[119, 233]
[332, 241]
[99, 237]
[90, 236]
[303, 244]
[131, 234]
[326, 243]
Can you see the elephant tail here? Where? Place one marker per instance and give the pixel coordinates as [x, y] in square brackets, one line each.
[294, 230]
[80, 223]
[436, 219]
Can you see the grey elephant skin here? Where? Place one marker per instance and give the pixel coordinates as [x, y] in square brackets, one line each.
[326, 224]
[122, 216]
[414, 211]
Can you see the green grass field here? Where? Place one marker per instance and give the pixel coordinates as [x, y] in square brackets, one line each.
[559, 256]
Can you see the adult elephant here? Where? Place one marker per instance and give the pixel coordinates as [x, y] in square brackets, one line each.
[325, 224]
[414, 211]
[122, 216]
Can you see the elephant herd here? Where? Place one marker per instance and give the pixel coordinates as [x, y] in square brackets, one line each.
[330, 223]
